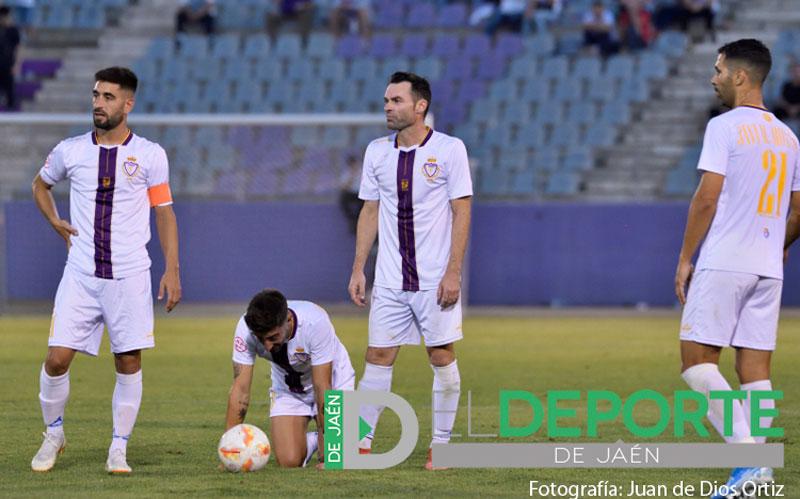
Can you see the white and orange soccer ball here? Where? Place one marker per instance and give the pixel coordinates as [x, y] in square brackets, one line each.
[244, 448]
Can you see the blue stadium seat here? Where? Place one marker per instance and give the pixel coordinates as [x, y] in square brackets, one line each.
[566, 135]
[445, 45]
[616, 112]
[422, 15]
[237, 68]
[620, 67]
[335, 136]
[414, 45]
[205, 69]
[320, 46]
[429, 67]
[568, 90]
[517, 113]
[484, 111]
[531, 135]
[635, 90]
[603, 89]
[587, 68]
[477, 45]
[652, 66]
[523, 183]
[459, 68]
[193, 47]
[541, 44]
[503, 91]
[499, 136]
[578, 159]
[582, 112]
[494, 182]
[508, 46]
[383, 46]
[546, 159]
[305, 136]
[536, 90]
[490, 68]
[524, 68]
[451, 16]
[562, 184]
[300, 70]
[331, 69]
[350, 46]
[224, 46]
[549, 112]
[392, 64]
[363, 68]
[288, 46]
[266, 69]
[671, 43]
[256, 46]
[555, 68]
[600, 135]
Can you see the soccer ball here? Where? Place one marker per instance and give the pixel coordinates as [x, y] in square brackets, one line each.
[244, 448]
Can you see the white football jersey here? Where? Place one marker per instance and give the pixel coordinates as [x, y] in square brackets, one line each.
[111, 191]
[312, 343]
[414, 186]
[758, 155]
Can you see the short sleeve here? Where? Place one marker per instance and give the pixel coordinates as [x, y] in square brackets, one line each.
[717, 147]
[55, 168]
[459, 181]
[158, 179]
[368, 191]
[323, 342]
[243, 349]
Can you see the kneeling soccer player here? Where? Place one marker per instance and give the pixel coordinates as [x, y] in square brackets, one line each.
[307, 359]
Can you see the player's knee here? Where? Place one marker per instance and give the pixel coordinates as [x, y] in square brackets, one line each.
[380, 356]
[290, 459]
[56, 363]
[441, 357]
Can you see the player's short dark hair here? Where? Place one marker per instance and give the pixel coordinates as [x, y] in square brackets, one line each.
[267, 310]
[5, 11]
[420, 88]
[123, 77]
[752, 53]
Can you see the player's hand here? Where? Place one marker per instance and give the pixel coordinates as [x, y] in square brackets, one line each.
[449, 289]
[358, 288]
[65, 230]
[683, 276]
[171, 284]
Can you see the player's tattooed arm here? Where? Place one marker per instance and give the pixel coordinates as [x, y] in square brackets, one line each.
[239, 396]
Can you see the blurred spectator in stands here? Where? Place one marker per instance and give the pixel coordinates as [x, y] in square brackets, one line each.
[635, 24]
[346, 11]
[690, 10]
[196, 12]
[509, 14]
[22, 10]
[9, 44]
[283, 11]
[483, 12]
[544, 13]
[598, 29]
[788, 107]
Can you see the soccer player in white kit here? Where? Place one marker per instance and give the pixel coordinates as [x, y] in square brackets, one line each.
[750, 182]
[417, 194]
[115, 177]
[307, 358]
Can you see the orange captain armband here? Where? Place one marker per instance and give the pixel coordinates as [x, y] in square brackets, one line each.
[159, 194]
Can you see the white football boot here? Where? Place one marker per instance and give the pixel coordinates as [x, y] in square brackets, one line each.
[116, 463]
[45, 459]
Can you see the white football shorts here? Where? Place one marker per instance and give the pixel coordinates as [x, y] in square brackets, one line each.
[282, 402]
[84, 304]
[732, 309]
[399, 317]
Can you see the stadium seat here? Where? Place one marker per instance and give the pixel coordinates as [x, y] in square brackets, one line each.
[516, 113]
[536, 90]
[422, 15]
[555, 68]
[577, 159]
[383, 46]
[494, 182]
[523, 183]
[392, 64]
[477, 45]
[565, 135]
[568, 90]
[586, 68]
[562, 184]
[546, 159]
[237, 68]
[635, 90]
[288, 46]
[570, 43]
[331, 70]
[620, 67]
[350, 46]
[523, 68]
[301, 70]
[414, 45]
[652, 66]
[335, 136]
[491, 68]
[582, 112]
[452, 16]
[267, 69]
[445, 45]
[603, 89]
[429, 67]
[503, 91]
[459, 68]
[389, 15]
[304, 136]
[671, 43]
[616, 112]
[600, 135]
[256, 47]
[541, 44]
[549, 112]
[363, 68]
[193, 47]
[508, 46]
[224, 46]
[320, 46]
[531, 134]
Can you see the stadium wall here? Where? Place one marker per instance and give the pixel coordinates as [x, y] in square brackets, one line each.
[521, 254]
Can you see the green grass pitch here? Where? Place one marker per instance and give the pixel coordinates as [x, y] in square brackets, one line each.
[187, 376]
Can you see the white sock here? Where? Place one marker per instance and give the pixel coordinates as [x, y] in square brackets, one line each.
[705, 378]
[446, 391]
[765, 421]
[312, 443]
[53, 396]
[125, 407]
[377, 378]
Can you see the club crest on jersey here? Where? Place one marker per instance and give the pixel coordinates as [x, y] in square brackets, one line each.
[431, 169]
[239, 345]
[131, 167]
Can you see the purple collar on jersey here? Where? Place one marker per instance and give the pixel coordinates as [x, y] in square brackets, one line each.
[424, 141]
[756, 107]
[124, 142]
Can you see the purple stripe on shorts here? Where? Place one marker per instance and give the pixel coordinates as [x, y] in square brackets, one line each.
[104, 200]
[405, 220]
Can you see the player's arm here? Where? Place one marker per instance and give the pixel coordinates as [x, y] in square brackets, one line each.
[43, 196]
[366, 232]
[167, 227]
[701, 214]
[321, 378]
[792, 223]
[450, 287]
[239, 396]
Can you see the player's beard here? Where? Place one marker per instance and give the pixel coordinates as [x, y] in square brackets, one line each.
[398, 124]
[107, 122]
